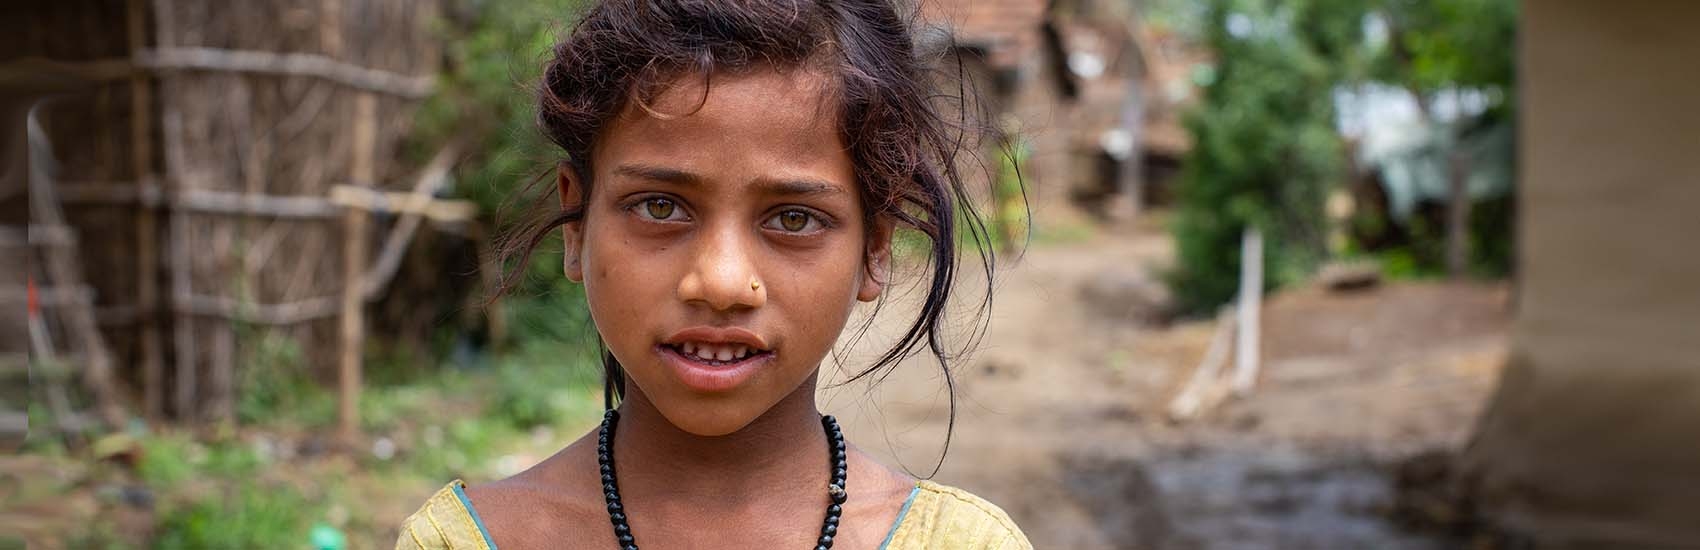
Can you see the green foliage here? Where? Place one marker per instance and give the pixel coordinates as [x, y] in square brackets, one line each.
[245, 514]
[537, 387]
[486, 101]
[1439, 44]
[1265, 150]
[167, 460]
[1447, 45]
[275, 384]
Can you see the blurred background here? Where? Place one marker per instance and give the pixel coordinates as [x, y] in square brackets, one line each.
[1285, 273]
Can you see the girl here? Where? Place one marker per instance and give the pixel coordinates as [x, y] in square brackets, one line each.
[734, 171]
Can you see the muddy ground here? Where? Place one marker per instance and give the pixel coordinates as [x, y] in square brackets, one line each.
[1062, 418]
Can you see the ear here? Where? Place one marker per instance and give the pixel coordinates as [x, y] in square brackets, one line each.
[878, 261]
[572, 233]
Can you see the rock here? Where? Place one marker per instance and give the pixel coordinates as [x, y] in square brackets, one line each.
[1349, 276]
[1127, 295]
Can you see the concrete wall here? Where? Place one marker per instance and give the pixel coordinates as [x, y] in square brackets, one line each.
[1593, 439]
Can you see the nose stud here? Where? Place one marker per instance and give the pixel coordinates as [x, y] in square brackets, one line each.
[755, 285]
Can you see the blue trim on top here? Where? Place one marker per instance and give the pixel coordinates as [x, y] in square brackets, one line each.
[900, 515]
[460, 492]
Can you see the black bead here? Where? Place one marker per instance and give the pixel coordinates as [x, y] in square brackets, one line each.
[623, 531]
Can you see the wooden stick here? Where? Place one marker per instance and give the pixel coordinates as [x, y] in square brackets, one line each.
[45, 362]
[1250, 306]
[147, 226]
[489, 273]
[213, 59]
[50, 296]
[1194, 397]
[354, 258]
[288, 313]
[203, 200]
[64, 268]
[410, 205]
[185, 384]
[432, 178]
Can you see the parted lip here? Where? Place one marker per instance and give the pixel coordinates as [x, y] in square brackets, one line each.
[717, 335]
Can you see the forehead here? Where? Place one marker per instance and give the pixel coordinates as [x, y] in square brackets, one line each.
[761, 122]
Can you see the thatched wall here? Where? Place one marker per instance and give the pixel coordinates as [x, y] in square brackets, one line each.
[196, 160]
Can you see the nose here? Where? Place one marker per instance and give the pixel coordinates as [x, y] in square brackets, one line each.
[723, 274]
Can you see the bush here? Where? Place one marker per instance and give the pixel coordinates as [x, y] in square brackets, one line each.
[247, 515]
[1265, 151]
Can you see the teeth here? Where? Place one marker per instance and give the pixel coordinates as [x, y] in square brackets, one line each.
[711, 352]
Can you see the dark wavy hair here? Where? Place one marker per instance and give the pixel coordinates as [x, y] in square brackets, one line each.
[907, 142]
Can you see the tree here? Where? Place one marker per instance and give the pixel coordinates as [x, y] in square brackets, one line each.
[1265, 149]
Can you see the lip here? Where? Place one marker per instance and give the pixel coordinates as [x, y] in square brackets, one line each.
[717, 335]
[706, 378]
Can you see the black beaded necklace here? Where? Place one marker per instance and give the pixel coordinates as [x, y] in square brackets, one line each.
[617, 512]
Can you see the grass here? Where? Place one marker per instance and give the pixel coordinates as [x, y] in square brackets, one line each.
[275, 482]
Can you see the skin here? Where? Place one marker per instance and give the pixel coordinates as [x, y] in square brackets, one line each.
[745, 467]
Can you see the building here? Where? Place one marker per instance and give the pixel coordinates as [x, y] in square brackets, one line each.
[1593, 437]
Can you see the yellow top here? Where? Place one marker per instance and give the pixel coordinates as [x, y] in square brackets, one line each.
[936, 517]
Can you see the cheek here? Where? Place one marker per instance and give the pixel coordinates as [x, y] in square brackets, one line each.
[613, 286]
[825, 292]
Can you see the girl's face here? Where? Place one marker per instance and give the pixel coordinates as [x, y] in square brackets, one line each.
[723, 250]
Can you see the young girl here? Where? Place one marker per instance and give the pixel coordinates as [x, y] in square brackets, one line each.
[734, 171]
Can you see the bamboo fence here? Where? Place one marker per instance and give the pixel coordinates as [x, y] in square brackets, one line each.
[219, 164]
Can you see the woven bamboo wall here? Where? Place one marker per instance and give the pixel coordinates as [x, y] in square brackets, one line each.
[195, 163]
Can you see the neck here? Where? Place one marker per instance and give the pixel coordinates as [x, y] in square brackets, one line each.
[783, 449]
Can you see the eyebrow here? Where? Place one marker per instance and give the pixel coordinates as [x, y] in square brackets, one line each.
[768, 186]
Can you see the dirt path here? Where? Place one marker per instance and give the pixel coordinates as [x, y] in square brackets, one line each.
[1061, 419]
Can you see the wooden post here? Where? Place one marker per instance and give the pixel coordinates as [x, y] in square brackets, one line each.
[147, 226]
[1200, 394]
[1251, 301]
[184, 396]
[354, 252]
[1458, 213]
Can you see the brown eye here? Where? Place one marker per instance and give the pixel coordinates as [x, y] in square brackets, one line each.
[793, 220]
[659, 209]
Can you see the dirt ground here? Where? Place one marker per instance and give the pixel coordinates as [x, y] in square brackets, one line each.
[1062, 418]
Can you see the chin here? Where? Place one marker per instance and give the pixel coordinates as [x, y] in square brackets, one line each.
[707, 418]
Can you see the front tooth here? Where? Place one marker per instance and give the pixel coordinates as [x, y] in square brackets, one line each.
[743, 351]
[688, 348]
[704, 353]
[724, 353]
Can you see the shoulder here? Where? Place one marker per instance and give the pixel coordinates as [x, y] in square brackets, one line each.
[945, 517]
[444, 522]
